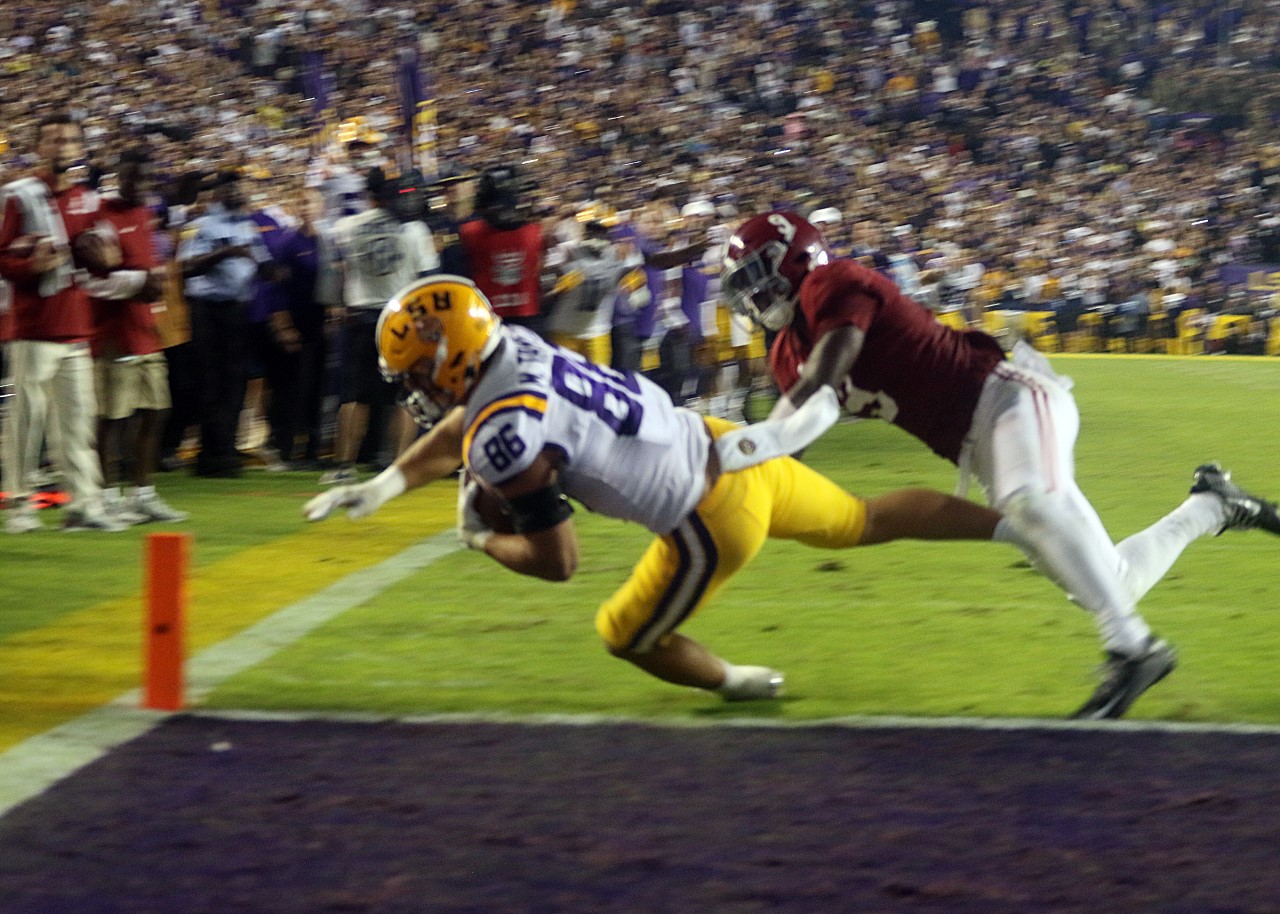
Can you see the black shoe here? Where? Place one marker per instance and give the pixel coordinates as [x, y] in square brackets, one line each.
[219, 467]
[1125, 678]
[1244, 511]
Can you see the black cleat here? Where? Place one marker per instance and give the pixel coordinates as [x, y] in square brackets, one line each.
[1126, 678]
[1244, 511]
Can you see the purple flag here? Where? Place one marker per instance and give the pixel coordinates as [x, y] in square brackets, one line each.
[417, 112]
[317, 85]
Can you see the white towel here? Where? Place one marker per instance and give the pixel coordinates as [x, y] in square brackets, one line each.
[40, 216]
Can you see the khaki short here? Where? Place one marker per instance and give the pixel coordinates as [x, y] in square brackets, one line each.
[126, 387]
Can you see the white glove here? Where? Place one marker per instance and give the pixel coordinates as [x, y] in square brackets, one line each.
[472, 529]
[779, 436]
[360, 500]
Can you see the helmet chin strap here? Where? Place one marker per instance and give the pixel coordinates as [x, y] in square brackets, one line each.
[778, 315]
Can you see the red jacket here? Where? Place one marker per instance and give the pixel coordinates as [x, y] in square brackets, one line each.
[127, 327]
[506, 265]
[64, 316]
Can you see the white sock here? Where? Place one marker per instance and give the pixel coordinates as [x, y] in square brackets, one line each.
[1149, 554]
[733, 677]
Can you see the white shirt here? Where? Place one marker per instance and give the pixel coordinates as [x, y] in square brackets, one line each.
[380, 256]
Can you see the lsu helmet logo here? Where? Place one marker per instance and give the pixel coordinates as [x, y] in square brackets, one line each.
[428, 327]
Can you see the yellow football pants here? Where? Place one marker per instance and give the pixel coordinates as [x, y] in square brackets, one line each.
[680, 571]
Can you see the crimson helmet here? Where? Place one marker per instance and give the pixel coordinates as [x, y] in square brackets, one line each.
[764, 263]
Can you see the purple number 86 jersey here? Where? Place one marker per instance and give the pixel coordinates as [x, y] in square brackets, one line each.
[627, 451]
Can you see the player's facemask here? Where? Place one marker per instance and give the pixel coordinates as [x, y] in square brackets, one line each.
[753, 287]
[433, 338]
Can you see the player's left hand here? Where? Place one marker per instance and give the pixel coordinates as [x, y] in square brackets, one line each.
[348, 496]
[361, 499]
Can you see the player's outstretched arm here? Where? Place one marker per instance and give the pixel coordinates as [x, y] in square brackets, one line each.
[779, 437]
[804, 412]
[435, 455]
[828, 365]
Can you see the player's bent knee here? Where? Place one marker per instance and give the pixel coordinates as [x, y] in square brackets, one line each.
[1032, 510]
[616, 638]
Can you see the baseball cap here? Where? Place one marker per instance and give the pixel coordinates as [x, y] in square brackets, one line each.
[698, 208]
[828, 215]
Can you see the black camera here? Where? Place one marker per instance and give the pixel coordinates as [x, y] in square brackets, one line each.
[405, 196]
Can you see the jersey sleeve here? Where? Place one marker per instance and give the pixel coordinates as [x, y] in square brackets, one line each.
[505, 437]
[838, 295]
[14, 266]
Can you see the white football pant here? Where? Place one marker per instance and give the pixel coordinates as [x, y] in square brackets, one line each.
[1021, 449]
[53, 396]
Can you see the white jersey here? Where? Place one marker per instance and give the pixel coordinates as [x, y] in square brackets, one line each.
[585, 311]
[381, 256]
[628, 452]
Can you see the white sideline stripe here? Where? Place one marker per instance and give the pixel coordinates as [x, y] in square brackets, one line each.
[36, 764]
[851, 722]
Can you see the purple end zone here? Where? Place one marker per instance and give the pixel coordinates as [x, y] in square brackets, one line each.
[205, 815]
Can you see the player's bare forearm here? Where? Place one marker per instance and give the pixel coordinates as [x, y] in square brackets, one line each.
[436, 454]
[548, 554]
[829, 364]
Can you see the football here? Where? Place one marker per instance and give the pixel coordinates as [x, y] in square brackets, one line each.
[494, 511]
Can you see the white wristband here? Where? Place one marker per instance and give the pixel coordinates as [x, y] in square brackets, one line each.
[388, 484]
[747, 447]
[379, 490]
[782, 409]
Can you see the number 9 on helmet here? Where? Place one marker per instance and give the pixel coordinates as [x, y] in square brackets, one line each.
[765, 261]
[433, 338]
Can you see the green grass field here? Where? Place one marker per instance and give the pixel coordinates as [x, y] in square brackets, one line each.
[927, 629]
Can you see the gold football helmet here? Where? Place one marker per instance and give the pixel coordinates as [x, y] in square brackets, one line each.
[432, 339]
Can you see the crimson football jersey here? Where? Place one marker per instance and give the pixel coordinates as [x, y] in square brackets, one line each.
[127, 327]
[912, 371]
[62, 316]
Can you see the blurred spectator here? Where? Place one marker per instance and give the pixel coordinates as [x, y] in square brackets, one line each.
[297, 326]
[699, 284]
[373, 256]
[588, 278]
[221, 262]
[453, 206]
[132, 378]
[269, 219]
[503, 245]
[47, 238]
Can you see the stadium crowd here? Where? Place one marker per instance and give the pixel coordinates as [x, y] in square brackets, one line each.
[1100, 161]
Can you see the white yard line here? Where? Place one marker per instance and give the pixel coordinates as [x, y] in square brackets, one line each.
[34, 765]
[853, 722]
[31, 767]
